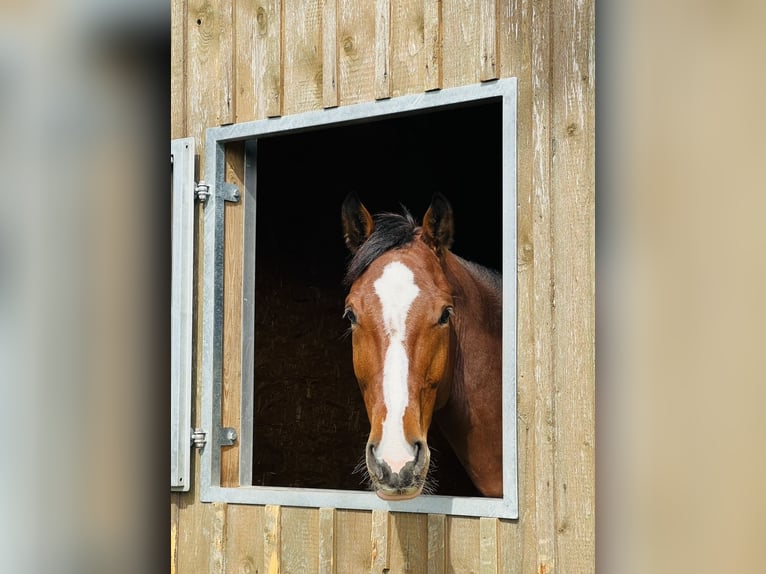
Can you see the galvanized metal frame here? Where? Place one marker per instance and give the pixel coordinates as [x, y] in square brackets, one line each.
[181, 301]
[505, 91]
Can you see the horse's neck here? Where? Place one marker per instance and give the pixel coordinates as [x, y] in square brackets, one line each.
[472, 417]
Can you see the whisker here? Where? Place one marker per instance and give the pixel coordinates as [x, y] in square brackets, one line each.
[361, 469]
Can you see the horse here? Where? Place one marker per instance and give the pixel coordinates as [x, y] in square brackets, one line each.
[426, 333]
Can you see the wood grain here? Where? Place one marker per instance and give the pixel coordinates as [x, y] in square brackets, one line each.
[244, 538]
[272, 539]
[233, 261]
[379, 541]
[573, 184]
[461, 41]
[326, 541]
[356, 34]
[302, 56]
[408, 542]
[382, 49]
[330, 53]
[432, 43]
[407, 47]
[437, 538]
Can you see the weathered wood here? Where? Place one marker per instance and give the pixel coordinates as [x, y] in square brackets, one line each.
[326, 541]
[517, 540]
[432, 41]
[247, 74]
[488, 545]
[543, 421]
[408, 542]
[178, 59]
[231, 381]
[272, 539]
[302, 56]
[356, 33]
[460, 42]
[265, 18]
[244, 538]
[300, 540]
[437, 539]
[488, 32]
[210, 73]
[462, 544]
[173, 533]
[379, 541]
[573, 188]
[382, 49]
[195, 520]
[330, 53]
[407, 47]
[217, 540]
[353, 534]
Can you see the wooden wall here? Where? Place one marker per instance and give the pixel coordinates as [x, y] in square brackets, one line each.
[240, 60]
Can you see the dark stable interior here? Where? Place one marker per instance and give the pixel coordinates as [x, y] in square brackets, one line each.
[310, 423]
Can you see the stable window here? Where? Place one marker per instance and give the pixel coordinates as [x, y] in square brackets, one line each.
[303, 425]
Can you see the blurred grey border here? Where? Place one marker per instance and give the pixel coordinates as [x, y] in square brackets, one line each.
[84, 131]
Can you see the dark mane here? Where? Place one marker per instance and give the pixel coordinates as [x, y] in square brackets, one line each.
[392, 230]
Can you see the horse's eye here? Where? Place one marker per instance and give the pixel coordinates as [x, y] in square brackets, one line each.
[349, 314]
[446, 314]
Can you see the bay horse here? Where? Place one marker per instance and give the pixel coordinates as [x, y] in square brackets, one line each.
[426, 332]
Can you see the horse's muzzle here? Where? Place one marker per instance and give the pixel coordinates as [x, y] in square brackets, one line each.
[407, 482]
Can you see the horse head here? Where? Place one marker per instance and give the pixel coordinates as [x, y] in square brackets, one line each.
[400, 308]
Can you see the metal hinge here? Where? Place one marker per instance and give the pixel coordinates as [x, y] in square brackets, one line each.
[228, 192]
[199, 437]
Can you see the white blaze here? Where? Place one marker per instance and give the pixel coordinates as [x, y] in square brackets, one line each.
[396, 290]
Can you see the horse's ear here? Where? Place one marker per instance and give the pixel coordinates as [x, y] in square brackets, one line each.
[357, 222]
[438, 226]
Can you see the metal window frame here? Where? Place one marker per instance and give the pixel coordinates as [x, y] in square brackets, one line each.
[181, 302]
[504, 91]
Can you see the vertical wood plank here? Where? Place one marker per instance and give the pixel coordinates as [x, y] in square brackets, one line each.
[244, 538]
[573, 190]
[544, 419]
[245, 69]
[407, 47]
[272, 539]
[460, 42]
[379, 538]
[353, 534]
[210, 71]
[327, 541]
[299, 540]
[488, 41]
[302, 55]
[437, 538]
[265, 17]
[408, 542]
[382, 49]
[329, 53]
[432, 41]
[178, 59]
[173, 533]
[517, 540]
[488, 545]
[462, 544]
[231, 380]
[357, 51]
[217, 541]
